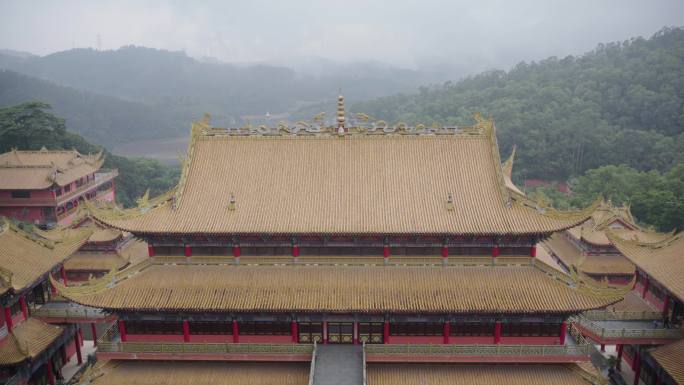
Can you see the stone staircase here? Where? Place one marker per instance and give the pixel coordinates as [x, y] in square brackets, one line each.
[338, 365]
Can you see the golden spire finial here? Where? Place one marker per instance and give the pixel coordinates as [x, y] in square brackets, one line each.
[340, 113]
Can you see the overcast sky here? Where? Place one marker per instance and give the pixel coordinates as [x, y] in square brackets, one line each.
[481, 34]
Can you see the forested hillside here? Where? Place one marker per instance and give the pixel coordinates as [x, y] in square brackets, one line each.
[622, 103]
[31, 126]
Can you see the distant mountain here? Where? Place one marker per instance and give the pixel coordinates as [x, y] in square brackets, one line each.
[102, 119]
[190, 87]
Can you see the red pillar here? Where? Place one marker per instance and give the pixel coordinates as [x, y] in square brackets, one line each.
[618, 363]
[80, 335]
[636, 279]
[644, 290]
[445, 252]
[188, 251]
[122, 330]
[295, 251]
[603, 348]
[325, 332]
[186, 331]
[637, 367]
[497, 332]
[8, 319]
[533, 251]
[447, 332]
[563, 331]
[150, 251]
[236, 332]
[93, 331]
[386, 333]
[236, 253]
[294, 327]
[63, 273]
[50, 374]
[355, 333]
[495, 251]
[77, 344]
[53, 289]
[386, 253]
[63, 353]
[24, 308]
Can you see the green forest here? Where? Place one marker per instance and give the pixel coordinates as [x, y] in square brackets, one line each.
[611, 122]
[31, 126]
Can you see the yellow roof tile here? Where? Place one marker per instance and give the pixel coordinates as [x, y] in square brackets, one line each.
[35, 170]
[671, 358]
[27, 340]
[490, 289]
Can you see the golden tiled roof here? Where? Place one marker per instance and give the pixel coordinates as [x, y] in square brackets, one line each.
[572, 255]
[671, 358]
[352, 183]
[507, 169]
[409, 289]
[25, 257]
[602, 220]
[200, 373]
[27, 340]
[632, 302]
[664, 261]
[489, 374]
[105, 235]
[35, 170]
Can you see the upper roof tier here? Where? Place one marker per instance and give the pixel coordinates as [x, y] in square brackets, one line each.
[37, 170]
[662, 261]
[355, 180]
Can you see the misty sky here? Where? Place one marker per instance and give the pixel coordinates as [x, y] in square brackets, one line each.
[472, 34]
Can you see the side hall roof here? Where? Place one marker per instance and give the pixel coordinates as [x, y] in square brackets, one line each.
[337, 289]
[663, 261]
[37, 170]
[26, 256]
[27, 340]
[398, 180]
[671, 358]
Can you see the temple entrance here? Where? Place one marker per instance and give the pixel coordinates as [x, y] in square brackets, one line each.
[341, 332]
[310, 332]
[371, 332]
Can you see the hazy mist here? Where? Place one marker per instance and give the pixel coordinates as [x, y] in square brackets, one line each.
[464, 36]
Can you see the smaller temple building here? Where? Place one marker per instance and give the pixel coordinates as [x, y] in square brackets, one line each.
[45, 187]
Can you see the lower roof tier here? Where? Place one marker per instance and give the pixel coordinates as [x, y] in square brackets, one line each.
[337, 289]
[27, 340]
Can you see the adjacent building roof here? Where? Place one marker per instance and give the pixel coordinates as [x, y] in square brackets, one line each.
[37, 170]
[95, 261]
[602, 264]
[406, 181]
[527, 374]
[199, 373]
[662, 261]
[671, 358]
[27, 340]
[25, 256]
[371, 289]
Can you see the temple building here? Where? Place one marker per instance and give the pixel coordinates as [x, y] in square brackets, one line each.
[363, 247]
[46, 187]
[31, 350]
[586, 249]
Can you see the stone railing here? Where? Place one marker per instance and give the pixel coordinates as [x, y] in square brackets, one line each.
[203, 348]
[635, 332]
[68, 312]
[480, 350]
[609, 315]
[312, 367]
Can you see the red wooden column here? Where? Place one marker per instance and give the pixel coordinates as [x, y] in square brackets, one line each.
[618, 363]
[386, 253]
[497, 332]
[295, 252]
[644, 290]
[603, 348]
[122, 330]
[355, 333]
[188, 251]
[236, 253]
[495, 251]
[24, 308]
[533, 251]
[447, 331]
[386, 333]
[637, 367]
[325, 332]
[77, 344]
[236, 332]
[93, 331]
[445, 254]
[150, 251]
[63, 353]
[50, 373]
[666, 305]
[62, 272]
[636, 279]
[8, 319]
[80, 334]
[186, 331]
[563, 331]
[294, 328]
